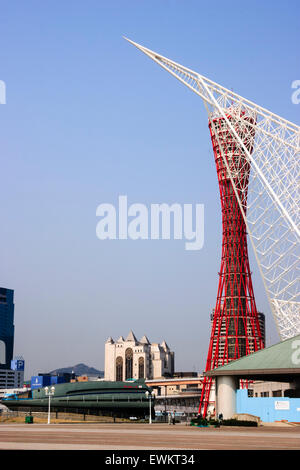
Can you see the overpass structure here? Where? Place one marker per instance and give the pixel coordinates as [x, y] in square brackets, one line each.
[177, 382]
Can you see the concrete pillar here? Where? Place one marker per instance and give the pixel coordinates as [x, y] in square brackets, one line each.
[226, 387]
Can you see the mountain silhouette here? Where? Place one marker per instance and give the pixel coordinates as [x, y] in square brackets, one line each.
[79, 369]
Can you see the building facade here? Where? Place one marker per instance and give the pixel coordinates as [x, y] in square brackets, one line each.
[6, 327]
[132, 359]
[11, 378]
[14, 376]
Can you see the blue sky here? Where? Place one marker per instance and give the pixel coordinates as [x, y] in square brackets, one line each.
[89, 118]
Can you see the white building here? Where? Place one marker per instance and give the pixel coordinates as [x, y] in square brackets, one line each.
[133, 359]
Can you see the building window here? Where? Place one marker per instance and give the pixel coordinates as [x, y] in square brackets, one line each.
[119, 369]
[141, 368]
[128, 363]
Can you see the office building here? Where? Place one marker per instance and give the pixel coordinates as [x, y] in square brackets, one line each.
[6, 327]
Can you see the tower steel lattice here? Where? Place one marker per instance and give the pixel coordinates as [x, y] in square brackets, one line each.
[264, 202]
[235, 323]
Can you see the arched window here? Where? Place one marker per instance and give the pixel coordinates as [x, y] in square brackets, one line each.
[128, 363]
[119, 369]
[141, 368]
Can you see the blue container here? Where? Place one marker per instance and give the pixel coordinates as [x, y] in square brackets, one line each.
[55, 379]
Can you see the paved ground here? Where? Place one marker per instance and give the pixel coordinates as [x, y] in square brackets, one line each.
[144, 436]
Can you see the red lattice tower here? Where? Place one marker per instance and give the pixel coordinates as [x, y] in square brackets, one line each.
[235, 323]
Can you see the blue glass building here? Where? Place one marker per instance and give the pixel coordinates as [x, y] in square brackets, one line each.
[6, 327]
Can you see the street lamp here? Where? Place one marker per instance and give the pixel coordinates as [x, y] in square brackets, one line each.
[149, 395]
[49, 392]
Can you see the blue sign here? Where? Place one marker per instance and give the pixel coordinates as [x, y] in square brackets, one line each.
[17, 364]
[39, 381]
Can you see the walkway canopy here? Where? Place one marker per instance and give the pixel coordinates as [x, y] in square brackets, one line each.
[278, 363]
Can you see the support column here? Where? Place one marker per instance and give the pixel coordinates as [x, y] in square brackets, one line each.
[226, 387]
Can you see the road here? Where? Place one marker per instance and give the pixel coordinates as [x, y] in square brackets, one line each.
[144, 436]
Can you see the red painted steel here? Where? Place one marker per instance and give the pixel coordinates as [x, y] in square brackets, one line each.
[235, 324]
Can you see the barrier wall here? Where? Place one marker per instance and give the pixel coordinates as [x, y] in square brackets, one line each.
[269, 409]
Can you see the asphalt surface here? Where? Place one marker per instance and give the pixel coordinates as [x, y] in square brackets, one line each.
[144, 437]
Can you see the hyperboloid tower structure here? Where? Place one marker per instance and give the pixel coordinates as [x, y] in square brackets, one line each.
[263, 203]
[235, 323]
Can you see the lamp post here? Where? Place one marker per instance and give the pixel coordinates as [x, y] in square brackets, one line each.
[149, 395]
[49, 392]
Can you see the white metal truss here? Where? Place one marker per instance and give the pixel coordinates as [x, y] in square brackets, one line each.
[270, 201]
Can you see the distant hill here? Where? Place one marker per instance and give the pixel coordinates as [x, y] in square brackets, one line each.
[79, 369]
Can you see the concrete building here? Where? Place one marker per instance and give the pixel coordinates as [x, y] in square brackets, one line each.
[11, 378]
[132, 359]
[259, 388]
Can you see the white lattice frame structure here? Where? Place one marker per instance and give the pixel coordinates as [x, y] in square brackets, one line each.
[273, 208]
